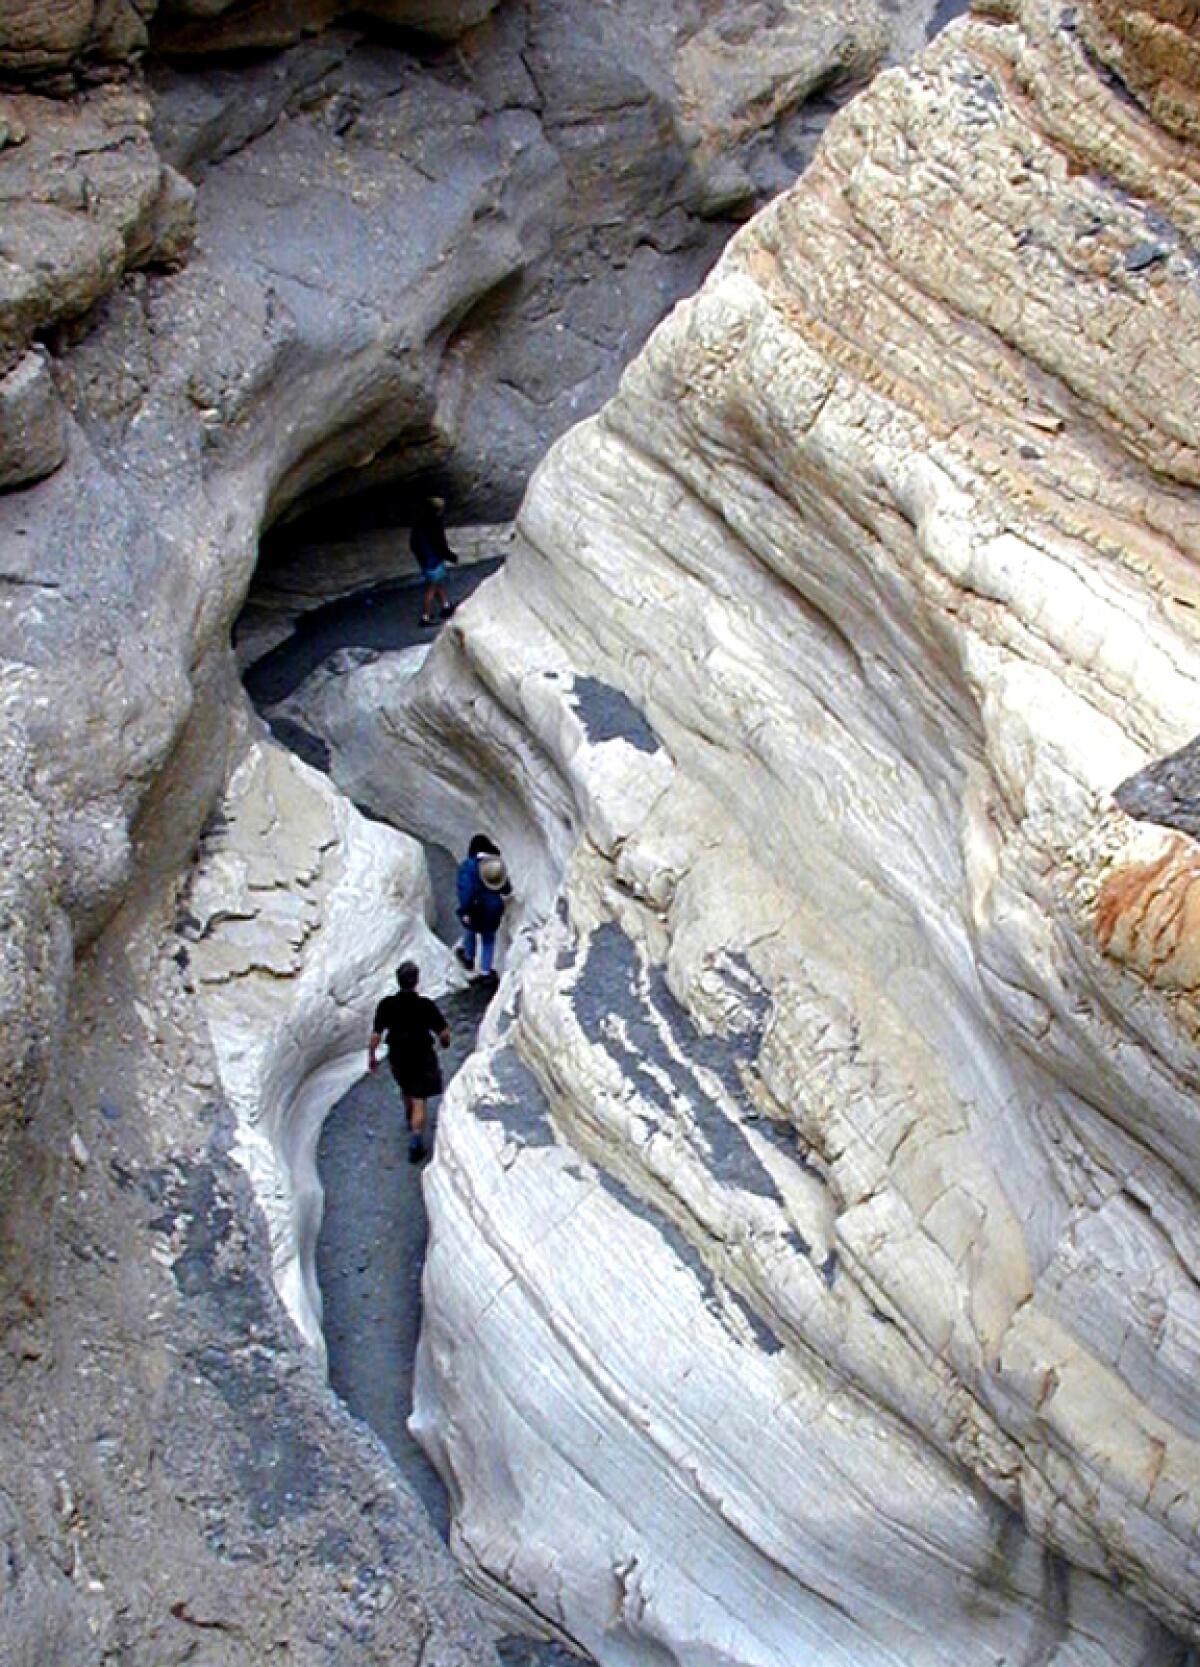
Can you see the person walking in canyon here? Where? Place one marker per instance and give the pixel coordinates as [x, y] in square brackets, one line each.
[483, 891]
[427, 540]
[411, 1022]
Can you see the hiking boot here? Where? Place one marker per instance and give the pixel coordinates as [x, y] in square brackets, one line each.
[417, 1152]
[488, 980]
[449, 609]
[461, 956]
[426, 621]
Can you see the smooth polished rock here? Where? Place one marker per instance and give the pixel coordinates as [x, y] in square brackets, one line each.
[1167, 791]
[802, 562]
[815, 1235]
[298, 912]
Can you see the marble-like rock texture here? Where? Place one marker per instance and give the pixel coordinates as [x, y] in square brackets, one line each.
[370, 222]
[360, 210]
[814, 1259]
[298, 911]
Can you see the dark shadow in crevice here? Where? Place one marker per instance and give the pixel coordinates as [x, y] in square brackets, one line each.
[384, 618]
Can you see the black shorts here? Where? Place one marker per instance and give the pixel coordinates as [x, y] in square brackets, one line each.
[418, 1078]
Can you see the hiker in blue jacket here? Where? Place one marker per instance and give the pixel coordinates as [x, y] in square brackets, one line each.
[483, 888]
[427, 540]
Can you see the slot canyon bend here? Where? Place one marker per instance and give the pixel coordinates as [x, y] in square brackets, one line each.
[805, 1273]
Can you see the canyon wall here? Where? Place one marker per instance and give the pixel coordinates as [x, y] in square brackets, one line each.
[254, 257]
[814, 1259]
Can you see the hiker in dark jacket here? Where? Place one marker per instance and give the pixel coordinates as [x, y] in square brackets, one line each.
[410, 1022]
[483, 887]
[427, 540]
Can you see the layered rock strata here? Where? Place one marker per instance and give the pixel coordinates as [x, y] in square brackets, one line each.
[861, 1049]
[178, 366]
[814, 1264]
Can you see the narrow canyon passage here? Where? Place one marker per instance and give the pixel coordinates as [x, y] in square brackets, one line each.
[371, 1252]
[371, 1248]
[808, 1267]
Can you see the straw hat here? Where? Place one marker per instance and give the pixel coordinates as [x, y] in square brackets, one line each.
[493, 872]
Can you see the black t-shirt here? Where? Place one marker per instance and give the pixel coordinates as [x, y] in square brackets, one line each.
[410, 1022]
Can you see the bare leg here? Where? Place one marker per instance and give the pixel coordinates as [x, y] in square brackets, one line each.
[430, 602]
[414, 1116]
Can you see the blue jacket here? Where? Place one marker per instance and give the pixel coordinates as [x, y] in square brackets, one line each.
[478, 906]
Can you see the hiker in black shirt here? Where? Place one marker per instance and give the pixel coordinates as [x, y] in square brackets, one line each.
[410, 1022]
[427, 540]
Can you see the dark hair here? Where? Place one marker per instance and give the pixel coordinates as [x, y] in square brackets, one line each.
[408, 975]
[481, 846]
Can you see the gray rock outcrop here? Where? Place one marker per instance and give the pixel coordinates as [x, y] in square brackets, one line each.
[33, 429]
[257, 286]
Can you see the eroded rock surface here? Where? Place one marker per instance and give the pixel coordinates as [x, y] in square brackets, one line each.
[821, 1214]
[860, 1052]
[298, 912]
[219, 347]
[591, 161]
[85, 197]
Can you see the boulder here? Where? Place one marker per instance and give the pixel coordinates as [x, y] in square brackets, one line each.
[33, 436]
[85, 198]
[37, 35]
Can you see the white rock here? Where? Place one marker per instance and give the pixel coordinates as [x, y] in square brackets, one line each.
[303, 908]
[814, 1255]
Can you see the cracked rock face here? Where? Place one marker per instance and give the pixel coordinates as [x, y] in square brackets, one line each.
[814, 1263]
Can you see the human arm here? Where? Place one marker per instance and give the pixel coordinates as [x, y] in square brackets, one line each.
[438, 1026]
[373, 1051]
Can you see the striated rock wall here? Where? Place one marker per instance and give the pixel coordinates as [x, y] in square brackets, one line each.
[222, 292]
[366, 213]
[297, 913]
[814, 1261]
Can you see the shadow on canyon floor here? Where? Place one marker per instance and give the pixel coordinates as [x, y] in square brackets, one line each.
[383, 617]
[371, 1248]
